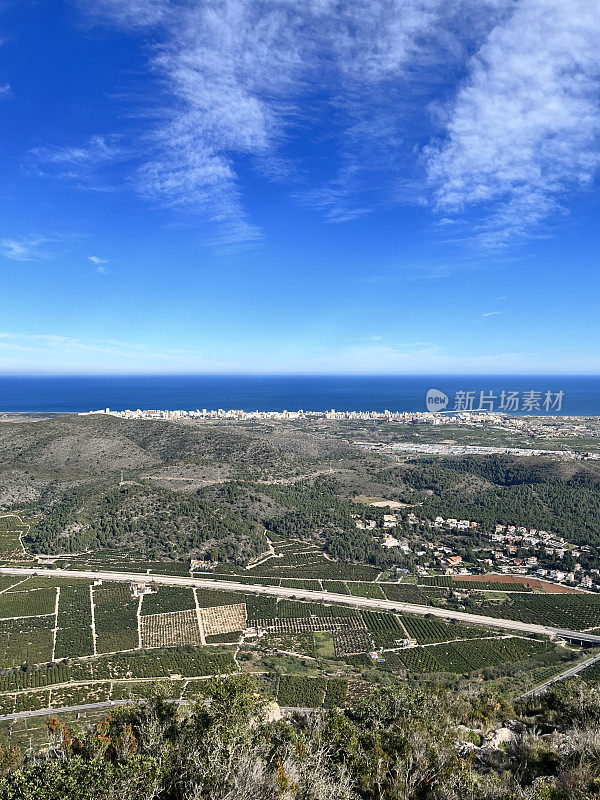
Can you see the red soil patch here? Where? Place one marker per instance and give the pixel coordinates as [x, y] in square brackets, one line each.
[531, 583]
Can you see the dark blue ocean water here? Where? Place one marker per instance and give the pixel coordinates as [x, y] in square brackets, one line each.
[278, 392]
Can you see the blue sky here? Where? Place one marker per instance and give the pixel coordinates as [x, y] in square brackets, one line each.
[374, 186]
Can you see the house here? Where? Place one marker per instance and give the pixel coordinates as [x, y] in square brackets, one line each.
[196, 563]
[140, 589]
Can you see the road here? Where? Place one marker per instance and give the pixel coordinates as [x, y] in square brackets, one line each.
[46, 712]
[308, 594]
[569, 673]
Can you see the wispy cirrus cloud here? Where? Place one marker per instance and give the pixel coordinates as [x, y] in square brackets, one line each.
[100, 264]
[524, 130]
[80, 163]
[485, 108]
[30, 248]
[241, 79]
[56, 352]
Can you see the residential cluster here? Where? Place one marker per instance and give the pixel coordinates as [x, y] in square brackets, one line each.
[512, 550]
[468, 449]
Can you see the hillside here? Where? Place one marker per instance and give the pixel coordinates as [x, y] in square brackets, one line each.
[401, 743]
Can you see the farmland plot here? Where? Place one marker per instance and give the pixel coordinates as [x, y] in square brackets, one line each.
[298, 691]
[208, 598]
[170, 629]
[572, 611]
[168, 598]
[74, 632]
[10, 544]
[385, 629]
[350, 641]
[37, 602]
[223, 619]
[185, 661]
[429, 631]
[335, 694]
[349, 633]
[116, 618]
[25, 640]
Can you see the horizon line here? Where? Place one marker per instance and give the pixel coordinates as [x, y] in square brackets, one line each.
[268, 374]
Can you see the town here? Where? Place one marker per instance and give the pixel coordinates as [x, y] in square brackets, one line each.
[535, 426]
[512, 550]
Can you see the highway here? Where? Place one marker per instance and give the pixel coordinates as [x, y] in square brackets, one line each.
[569, 673]
[309, 594]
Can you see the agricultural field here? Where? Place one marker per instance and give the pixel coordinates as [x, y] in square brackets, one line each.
[168, 598]
[404, 593]
[323, 644]
[223, 619]
[303, 643]
[169, 630]
[429, 630]
[299, 691]
[8, 582]
[209, 598]
[79, 695]
[74, 623]
[372, 590]
[184, 661]
[34, 603]
[337, 587]
[25, 641]
[115, 615]
[571, 611]
[466, 657]
[10, 528]
[385, 629]
[465, 584]
[335, 693]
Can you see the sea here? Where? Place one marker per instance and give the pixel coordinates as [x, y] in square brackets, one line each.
[521, 394]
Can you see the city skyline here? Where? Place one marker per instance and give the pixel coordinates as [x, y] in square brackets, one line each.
[373, 188]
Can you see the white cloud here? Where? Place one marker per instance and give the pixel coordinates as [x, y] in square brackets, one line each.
[22, 352]
[47, 352]
[78, 164]
[100, 264]
[491, 314]
[96, 150]
[31, 248]
[240, 78]
[421, 359]
[524, 128]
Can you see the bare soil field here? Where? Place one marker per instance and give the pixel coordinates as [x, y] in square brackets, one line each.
[531, 583]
